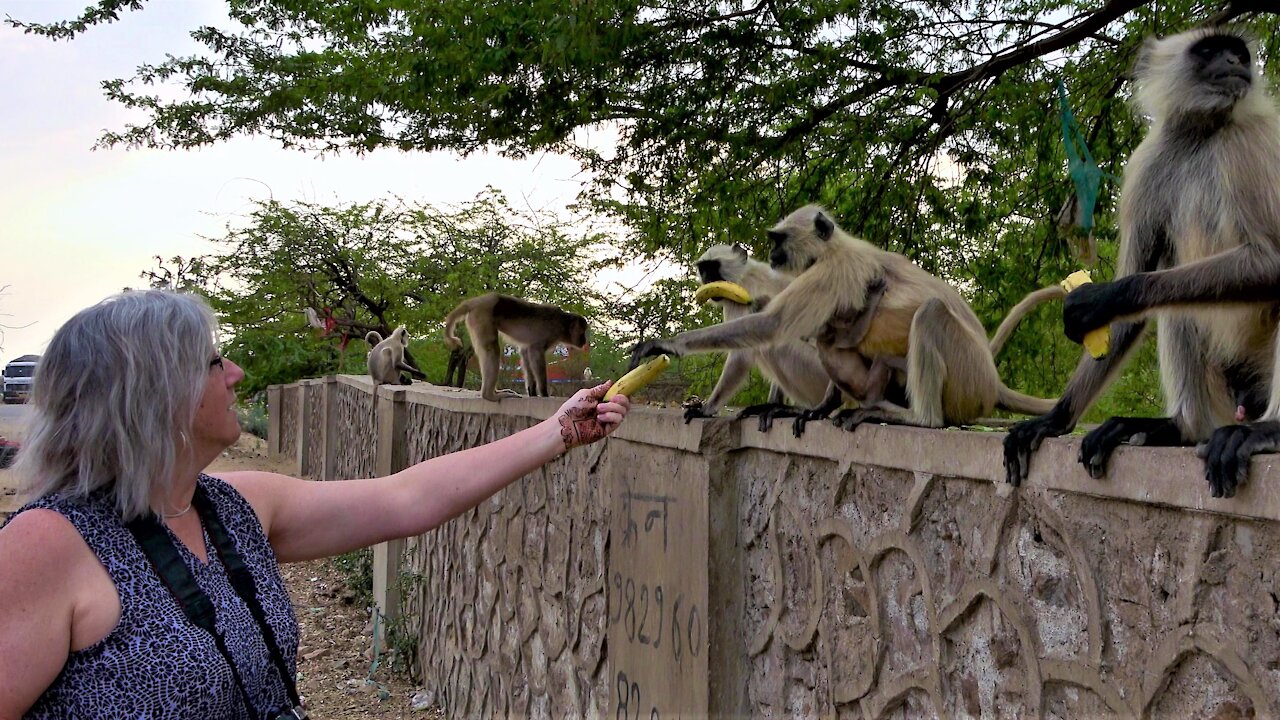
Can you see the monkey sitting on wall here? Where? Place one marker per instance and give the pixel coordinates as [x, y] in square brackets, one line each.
[792, 368]
[951, 377]
[533, 327]
[386, 359]
[1200, 249]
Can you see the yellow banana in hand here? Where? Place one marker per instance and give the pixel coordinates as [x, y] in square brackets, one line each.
[1097, 342]
[723, 289]
[636, 379]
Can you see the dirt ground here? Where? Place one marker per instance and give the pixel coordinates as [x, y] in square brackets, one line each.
[335, 656]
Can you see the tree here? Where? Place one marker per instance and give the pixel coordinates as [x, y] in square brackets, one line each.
[176, 273]
[932, 128]
[376, 265]
[729, 111]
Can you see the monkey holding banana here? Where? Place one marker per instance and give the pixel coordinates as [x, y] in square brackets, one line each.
[792, 368]
[868, 307]
[1200, 249]
[533, 327]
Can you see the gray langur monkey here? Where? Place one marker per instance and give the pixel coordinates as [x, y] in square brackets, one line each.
[386, 358]
[533, 327]
[875, 307]
[1200, 249]
[792, 368]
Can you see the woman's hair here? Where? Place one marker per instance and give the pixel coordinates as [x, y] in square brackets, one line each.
[115, 395]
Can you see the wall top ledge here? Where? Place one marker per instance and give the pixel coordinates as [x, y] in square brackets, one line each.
[1160, 476]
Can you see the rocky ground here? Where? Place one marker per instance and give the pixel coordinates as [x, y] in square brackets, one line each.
[336, 664]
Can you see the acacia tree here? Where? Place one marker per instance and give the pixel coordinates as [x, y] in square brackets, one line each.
[932, 128]
[376, 265]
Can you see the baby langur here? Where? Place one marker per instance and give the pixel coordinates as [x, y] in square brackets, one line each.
[951, 376]
[792, 368]
[534, 328]
[386, 358]
[1200, 249]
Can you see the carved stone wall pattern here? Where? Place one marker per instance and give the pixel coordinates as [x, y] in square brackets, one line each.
[314, 461]
[508, 599]
[356, 433]
[873, 593]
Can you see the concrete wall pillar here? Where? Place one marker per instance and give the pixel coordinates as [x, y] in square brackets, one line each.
[329, 427]
[392, 415]
[305, 398]
[273, 419]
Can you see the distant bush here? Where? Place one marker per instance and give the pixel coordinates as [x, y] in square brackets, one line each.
[253, 416]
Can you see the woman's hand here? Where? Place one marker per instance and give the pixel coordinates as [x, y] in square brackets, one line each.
[586, 418]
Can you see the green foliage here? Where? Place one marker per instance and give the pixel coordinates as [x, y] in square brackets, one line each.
[402, 632]
[373, 266]
[931, 128]
[253, 416]
[356, 569]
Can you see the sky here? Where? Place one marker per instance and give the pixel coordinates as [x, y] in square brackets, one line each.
[78, 224]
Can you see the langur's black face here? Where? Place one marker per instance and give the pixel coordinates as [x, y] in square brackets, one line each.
[799, 239]
[722, 263]
[793, 252]
[778, 255]
[1222, 67]
[709, 271]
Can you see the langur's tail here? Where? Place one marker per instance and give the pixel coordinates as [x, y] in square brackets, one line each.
[1014, 401]
[1019, 311]
[452, 319]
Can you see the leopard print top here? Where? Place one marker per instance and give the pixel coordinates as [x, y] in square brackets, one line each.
[156, 664]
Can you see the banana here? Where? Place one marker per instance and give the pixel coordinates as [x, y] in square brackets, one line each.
[1097, 342]
[722, 289]
[636, 379]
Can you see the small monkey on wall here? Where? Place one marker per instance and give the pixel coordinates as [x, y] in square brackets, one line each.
[386, 358]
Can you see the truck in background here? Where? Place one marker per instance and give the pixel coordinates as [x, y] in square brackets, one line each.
[19, 376]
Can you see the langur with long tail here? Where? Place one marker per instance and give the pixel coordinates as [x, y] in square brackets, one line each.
[1200, 249]
[793, 369]
[533, 327]
[868, 309]
[386, 359]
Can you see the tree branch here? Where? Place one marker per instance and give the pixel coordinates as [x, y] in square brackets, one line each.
[951, 83]
[1236, 8]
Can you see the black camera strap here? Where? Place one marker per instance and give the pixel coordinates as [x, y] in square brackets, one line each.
[174, 573]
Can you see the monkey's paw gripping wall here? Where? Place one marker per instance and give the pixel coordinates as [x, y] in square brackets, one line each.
[679, 570]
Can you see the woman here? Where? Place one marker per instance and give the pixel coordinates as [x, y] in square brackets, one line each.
[131, 404]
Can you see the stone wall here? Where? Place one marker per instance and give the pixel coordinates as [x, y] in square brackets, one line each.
[710, 568]
[508, 600]
[354, 428]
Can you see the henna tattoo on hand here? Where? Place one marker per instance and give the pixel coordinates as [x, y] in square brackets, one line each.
[579, 426]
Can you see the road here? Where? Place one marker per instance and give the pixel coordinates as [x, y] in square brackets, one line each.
[14, 417]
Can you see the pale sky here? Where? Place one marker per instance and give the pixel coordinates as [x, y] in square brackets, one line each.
[78, 224]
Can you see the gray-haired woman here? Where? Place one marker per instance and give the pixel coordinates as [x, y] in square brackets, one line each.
[134, 585]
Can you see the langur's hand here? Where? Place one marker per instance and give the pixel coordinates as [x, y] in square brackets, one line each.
[1025, 438]
[1230, 449]
[693, 409]
[649, 348]
[587, 417]
[1094, 306]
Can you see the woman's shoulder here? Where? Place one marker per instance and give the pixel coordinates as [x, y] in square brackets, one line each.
[36, 539]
